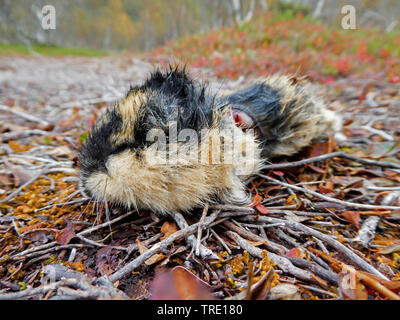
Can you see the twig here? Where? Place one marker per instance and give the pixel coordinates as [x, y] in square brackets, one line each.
[367, 278]
[82, 233]
[332, 242]
[283, 263]
[253, 237]
[159, 246]
[339, 154]
[15, 135]
[334, 200]
[77, 201]
[203, 216]
[23, 115]
[221, 241]
[204, 252]
[30, 291]
[18, 190]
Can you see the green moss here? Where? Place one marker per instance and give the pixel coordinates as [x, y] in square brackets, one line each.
[6, 49]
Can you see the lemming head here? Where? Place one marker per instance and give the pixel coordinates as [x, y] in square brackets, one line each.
[118, 160]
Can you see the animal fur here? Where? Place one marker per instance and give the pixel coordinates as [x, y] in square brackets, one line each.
[120, 165]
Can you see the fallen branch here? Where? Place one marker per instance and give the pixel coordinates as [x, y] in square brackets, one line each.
[329, 240]
[159, 246]
[283, 263]
[339, 154]
[23, 115]
[15, 135]
[368, 279]
[330, 199]
[204, 252]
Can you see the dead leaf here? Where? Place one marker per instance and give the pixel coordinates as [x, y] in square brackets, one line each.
[351, 287]
[142, 248]
[65, 235]
[296, 253]
[17, 147]
[62, 151]
[104, 261]
[262, 209]
[353, 217]
[179, 284]
[168, 228]
[154, 258]
[285, 291]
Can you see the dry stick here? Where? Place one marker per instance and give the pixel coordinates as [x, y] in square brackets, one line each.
[318, 270]
[226, 207]
[377, 286]
[96, 244]
[339, 154]
[204, 252]
[14, 135]
[334, 200]
[82, 233]
[368, 279]
[329, 240]
[277, 248]
[23, 115]
[31, 291]
[77, 201]
[283, 263]
[159, 246]
[203, 216]
[221, 241]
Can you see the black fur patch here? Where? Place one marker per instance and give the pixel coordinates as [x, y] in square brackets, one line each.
[176, 97]
[98, 146]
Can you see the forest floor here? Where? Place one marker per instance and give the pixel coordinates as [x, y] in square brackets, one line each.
[324, 224]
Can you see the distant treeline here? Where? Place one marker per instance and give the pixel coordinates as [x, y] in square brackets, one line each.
[144, 24]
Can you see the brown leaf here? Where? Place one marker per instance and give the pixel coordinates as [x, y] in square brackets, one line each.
[16, 147]
[262, 209]
[142, 248]
[154, 258]
[168, 228]
[179, 284]
[353, 217]
[65, 235]
[104, 260]
[6, 180]
[296, 253]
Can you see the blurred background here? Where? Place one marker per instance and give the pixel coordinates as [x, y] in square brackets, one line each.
[138, 25]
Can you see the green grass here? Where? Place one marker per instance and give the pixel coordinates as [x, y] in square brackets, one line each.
[12, 49]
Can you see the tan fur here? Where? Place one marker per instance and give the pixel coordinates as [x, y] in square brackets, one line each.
[165, 188]
[129, 110]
